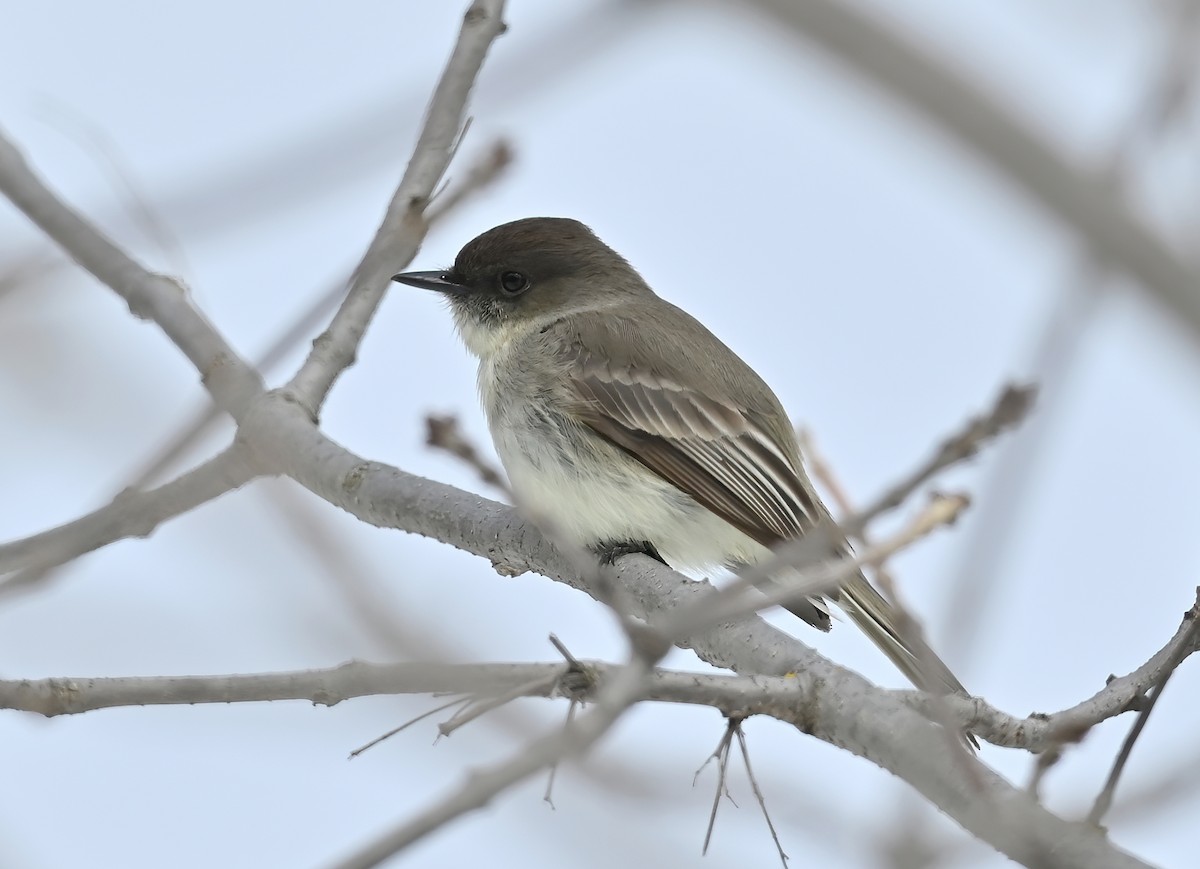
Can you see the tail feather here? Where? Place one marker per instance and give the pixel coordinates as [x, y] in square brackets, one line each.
[877, 619]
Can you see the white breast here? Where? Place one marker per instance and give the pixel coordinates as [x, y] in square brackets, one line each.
[621, 502]
[618, 500]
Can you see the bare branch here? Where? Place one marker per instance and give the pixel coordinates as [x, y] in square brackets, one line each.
[443, 432]
[1105, 798]
[1009, 410]
[481, 175]
[731, 695]
[1081, 197]
[837, 706]
[404, 225]
[71, 696]
[578, 736]
[457, 701]
[204, 346]
[1040, 732]
[822, 700]
[232, 383]
[858, 717]
[130, 514]
[730, 603]
[1059, 344]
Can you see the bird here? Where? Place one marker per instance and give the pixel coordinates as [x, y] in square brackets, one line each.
[634, 428]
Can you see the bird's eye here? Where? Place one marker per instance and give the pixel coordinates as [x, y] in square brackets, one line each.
[513, 283]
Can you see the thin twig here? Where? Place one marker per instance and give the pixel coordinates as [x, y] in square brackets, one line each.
[479, 177]
[1077, 193]
[821, 579]
[404, 224]
[457, 701]
[1042, 732]
[573, 706]
[906, 625]
[232, 383]
[835, 705]
[1105, 798]
[129, 514]
[95, 141]
[174, 313]
[1058, 348]
[444, 433]
[480, 706]
[758, 795]
[480, 788]
[721, 755]
[1008, 410]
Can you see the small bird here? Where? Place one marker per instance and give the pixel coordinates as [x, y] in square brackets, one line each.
[632, 426]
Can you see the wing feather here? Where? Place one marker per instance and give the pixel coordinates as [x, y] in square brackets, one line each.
[713, 450]
[718, 453]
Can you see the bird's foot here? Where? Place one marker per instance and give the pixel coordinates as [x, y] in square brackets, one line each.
[610, 550]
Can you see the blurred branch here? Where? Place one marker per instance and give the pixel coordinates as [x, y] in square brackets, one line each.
[1105, 798]
[729, 604]
[24, 272]
[838, 706]
[752, 694]
[235, 386]
[1082, 198]
[94, 141]
[74, 695]
[209, 202]
[1163, 794]
[1010, 408]
[480, 175]
[280, 434]
[232, 383]
[130, 514]
[404, 225]
[443, 432]
[1008, 411]
[1040, 732]
[352, 578]
[786, 698]
[1057, 347]
[612, 700]
[975, 575]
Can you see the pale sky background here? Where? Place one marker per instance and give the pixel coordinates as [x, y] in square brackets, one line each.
[883, 280]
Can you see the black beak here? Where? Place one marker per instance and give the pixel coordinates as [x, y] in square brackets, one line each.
[437, 280]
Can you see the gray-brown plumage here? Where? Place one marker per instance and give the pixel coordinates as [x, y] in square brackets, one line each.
[631, 425]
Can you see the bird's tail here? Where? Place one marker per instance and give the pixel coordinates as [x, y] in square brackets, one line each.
[876, 618]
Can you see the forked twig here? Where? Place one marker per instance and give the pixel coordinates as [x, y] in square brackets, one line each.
[1105, 798]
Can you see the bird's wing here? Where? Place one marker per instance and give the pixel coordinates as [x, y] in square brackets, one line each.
[710, 448]
[714, 450]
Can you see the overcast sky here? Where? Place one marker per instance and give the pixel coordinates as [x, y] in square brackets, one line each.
[882, 279]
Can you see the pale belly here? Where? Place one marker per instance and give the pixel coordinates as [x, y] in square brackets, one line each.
[616, 500]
